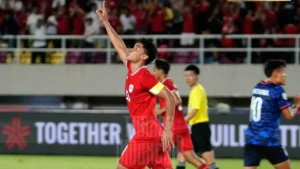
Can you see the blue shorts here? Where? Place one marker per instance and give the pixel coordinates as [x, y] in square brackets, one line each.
[253, 154]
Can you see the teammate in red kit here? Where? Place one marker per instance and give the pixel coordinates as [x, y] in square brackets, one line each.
[150, 144]
[181, 133]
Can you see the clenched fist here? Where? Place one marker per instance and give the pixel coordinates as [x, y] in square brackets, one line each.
[297, 99]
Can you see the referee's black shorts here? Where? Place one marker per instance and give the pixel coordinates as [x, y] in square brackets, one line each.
[201, 137]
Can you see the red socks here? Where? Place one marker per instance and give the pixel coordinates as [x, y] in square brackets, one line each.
[203, 166]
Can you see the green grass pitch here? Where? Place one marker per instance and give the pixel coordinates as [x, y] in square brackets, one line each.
[97, 162]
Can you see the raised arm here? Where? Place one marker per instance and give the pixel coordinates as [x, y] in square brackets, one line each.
[116, 40]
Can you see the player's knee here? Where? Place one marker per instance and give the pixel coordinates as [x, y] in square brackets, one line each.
[283, 165]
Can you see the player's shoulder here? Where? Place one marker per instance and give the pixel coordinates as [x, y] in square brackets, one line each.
[279, 89]
[145, 74]
[198, 89]
[270, 88]
[144, 71]
[268, 85]
[168, 81]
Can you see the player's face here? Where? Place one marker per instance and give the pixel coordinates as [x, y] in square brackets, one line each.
[190, 78]
[281, 76]
[156, 72]
[137, 53]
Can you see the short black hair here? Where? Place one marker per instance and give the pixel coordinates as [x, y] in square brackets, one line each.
[150, 49]
[272, 65]
[162, 65]
[193, 68]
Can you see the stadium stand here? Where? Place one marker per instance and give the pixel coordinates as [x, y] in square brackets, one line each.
[176, 17]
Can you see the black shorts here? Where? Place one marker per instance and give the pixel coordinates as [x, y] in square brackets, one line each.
[201, 137]
[253, 154]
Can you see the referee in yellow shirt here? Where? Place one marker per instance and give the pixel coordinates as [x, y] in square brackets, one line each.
[197, 116]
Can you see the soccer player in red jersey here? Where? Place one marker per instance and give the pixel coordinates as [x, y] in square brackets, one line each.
[181, 133]
[151, 143]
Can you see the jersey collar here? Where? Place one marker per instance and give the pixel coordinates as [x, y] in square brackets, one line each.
[266, 82]
[138, 70]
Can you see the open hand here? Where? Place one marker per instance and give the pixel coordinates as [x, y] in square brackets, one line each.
[167, 141]
[102, 13]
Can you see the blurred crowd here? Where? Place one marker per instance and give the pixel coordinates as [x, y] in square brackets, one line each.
[185, 17]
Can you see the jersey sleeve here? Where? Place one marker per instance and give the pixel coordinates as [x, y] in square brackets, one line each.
[195, 100]
[281, 99]
[150, 83]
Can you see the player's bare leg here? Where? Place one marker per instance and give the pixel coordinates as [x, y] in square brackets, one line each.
[250, 167]
[191, 158]
[283, 165]
[180, 157]
[180, 161]
[209, 158]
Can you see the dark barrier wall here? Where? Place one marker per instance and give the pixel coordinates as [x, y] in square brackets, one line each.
[107, 134]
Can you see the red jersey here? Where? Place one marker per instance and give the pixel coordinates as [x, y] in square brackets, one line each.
[188, 23]
[248, 25]
[141, 89]
[179, 124]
